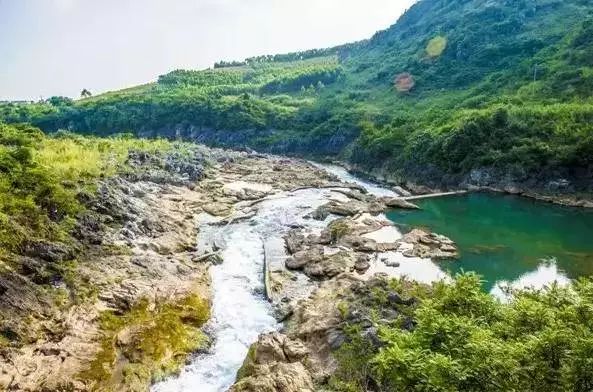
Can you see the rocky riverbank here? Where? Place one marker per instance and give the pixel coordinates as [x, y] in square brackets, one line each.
[319, 269]
[80, 314]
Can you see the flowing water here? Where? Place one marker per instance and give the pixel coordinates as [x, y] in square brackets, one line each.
[343, 175]
[240, 313]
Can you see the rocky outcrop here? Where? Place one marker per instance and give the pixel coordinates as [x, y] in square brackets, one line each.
[275, 363]
[429, 245]
[333, 264]
[397, 202]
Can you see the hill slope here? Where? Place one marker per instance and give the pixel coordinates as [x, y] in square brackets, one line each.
[489, 92]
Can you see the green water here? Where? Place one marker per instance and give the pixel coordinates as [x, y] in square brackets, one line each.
[505, 237]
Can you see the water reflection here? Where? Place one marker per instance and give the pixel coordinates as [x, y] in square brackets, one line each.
[505, 238]
[546, 274]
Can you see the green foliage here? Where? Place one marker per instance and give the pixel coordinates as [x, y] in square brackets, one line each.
[468, 59]
[303, 77]
[436, 46]
[466, 340]
[40, 178]
[338, 229]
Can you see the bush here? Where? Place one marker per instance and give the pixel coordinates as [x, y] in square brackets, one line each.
[466, 340]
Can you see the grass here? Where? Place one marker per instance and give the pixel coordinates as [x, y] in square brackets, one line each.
[73, 157]
[41, 177]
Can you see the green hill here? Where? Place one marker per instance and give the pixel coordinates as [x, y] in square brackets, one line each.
[493, 92]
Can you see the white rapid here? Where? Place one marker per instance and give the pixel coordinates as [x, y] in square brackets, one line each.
[240, 313]
[345, 176]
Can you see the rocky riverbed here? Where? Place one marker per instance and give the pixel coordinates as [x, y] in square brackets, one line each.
[340, 245]
[142, 265]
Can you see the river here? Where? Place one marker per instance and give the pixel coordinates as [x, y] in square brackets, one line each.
[240, 313]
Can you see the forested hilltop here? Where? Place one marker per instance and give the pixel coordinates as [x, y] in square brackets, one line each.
[493, 92]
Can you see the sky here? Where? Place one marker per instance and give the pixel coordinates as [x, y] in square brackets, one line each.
[59, 47]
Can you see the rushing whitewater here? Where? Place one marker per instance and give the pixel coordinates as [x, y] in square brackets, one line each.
[345, 176]
[240, 313]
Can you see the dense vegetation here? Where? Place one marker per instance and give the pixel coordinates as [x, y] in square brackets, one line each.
[42, 178]
[458, 338]
[503, 85]
[45, 185]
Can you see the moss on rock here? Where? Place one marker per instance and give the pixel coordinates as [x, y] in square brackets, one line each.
[147, 343]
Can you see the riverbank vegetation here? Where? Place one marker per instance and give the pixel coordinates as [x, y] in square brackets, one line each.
[504, 86]
[46, 183]
[459, 338]
[42, 179]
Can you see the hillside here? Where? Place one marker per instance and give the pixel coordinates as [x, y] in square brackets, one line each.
[493, 93]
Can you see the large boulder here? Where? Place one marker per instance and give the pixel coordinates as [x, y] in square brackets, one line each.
[275, 363]
[429, 245]
[246, 191]
[294, 240]
[277, 377]
[217, 209]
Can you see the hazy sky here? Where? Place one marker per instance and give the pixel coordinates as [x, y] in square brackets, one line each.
[59, 47]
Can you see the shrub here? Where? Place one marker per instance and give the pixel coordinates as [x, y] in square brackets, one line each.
[465, 340]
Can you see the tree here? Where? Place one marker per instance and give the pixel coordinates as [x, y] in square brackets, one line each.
[85, 93]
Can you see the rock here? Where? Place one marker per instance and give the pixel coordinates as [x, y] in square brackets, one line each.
[396, 202]
[275, 363]
[270, 348]
[362, 263]
[558, 185]
[429, 245]
[401, 191]
[246, 191]
[89, 228]
[304, 257]
[295, 350]
[320, 213]
[359, 243]
[279, 377]
[283, 311]
[353, 194]
[333, 265]
[375, 208]
[394, 298]
[512, 189]
[448, 248]
[314, 270]
[391, 263]
[325, 238]
[215, 259]
[350, 208]
[217, 209]
[294, 240]
[418, 189]
[371, 334]
[53, 252]
[335, 338]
